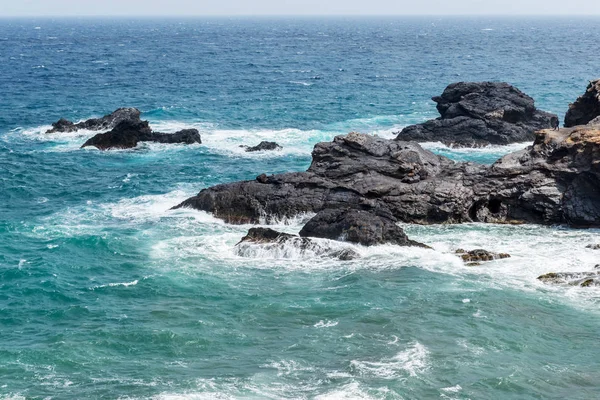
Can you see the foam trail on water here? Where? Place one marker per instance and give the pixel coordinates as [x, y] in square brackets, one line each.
[409, 363]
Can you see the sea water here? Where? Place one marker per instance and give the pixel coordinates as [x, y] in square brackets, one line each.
[107, 293]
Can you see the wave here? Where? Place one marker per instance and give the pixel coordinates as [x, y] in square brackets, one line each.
[124, 284]
[230, 142]
[408, 363]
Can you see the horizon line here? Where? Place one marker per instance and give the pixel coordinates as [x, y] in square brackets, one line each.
[188, 16]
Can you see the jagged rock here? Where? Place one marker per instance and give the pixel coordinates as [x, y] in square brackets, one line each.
[593, 246]
[583, 279]
[264, 145]
[265, 235]
[128, 133]
[475, 257]
[554, 181]
[586, 108]
[475, 114]
[356, 226]
[98, 124]
[285, 245]
[595, 121]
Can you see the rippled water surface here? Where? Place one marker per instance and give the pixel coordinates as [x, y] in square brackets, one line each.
[105, 292]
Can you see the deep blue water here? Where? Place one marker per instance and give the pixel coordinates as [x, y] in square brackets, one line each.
[104, 292]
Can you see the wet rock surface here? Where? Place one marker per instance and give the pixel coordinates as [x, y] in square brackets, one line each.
[107, 122]
[261, 241]
[554, 181]
[356, 226]
[582, 279]
[475, 114]
[586, 108]
[477, 256]
[263, 146]
[127, 134]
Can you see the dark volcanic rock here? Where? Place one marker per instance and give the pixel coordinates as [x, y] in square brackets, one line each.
[593, 246]
[265, 235]
[264, 146]
[284, 245]
[583, 279]
[98, 124]
[185, 136]
[478, 114]
[480, 255]
[356, 226]
[586, 108]
[554, 181]
[128, 133]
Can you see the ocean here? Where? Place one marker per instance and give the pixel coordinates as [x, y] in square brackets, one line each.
[107, 293]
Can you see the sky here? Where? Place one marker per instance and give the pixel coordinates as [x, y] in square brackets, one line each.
[10, 8]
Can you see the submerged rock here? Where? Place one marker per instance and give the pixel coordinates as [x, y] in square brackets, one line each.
[356, 226]
[265, 235]
[262, 146]
[259, 241]
[475, 257]
[583, 279]
[586, 108]
[128, 133]
[593, 246]
[107, 122]
[475, 114]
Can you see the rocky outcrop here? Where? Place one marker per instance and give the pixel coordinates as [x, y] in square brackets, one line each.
[478, 114]
[586, 108]
[595, 121]
[98, 124]
[479, 255]
[356, 226]
[583, 279]
[263, 146]
[128, 133]
[554, 181]
[265, 241]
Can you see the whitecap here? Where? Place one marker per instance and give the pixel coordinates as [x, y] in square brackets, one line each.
[452, 389]
[410, 362]
[325, 324]
[124, 284]
[301, 83]
[351, 391]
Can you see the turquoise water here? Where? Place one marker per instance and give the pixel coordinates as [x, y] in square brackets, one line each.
[106, 293]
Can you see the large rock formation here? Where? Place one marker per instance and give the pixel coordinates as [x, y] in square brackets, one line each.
[554, 181]
[478, 114]
[128, 133]
[356, 226]
[98, 124]
[586, 107]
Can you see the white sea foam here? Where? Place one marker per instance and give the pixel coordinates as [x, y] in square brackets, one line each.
[301, 83]
[351, 391]
[230, 142]
[124, 284]
[535, 250]
[452, 389]
[408, 363]
[325, 324]
[490, 149]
